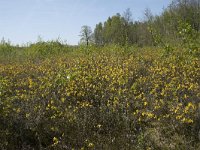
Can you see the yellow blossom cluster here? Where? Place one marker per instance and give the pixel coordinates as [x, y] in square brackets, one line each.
[102, 94]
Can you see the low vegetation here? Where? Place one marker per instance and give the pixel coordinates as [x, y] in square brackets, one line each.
[135, 90]
[100, 98]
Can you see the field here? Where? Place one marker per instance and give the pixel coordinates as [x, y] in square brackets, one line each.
[57, 97]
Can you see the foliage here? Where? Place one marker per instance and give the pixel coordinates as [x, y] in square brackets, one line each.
[112, 95]
[86, 34]
[122, 30]
[189, 38]
[106, 98]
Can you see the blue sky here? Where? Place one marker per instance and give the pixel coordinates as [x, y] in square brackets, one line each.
[22, 21]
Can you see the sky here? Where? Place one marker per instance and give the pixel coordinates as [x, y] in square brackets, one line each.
[23, 21]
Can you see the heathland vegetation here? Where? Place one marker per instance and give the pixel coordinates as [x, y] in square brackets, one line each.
[128, 85]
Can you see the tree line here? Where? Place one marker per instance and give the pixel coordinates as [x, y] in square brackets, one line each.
[180, 16]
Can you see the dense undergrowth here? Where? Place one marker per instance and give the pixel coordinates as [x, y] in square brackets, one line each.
[58, 97]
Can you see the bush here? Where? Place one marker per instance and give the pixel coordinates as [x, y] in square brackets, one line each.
[104, 99]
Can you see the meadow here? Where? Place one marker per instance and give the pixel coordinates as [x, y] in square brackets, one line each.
[53, 96]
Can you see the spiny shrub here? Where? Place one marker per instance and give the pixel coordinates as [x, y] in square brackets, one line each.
[104, 100]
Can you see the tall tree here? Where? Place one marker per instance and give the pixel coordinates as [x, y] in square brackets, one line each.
[98, 34]
[107, 31]
[86, 34]
[127, 22]
[117, 30]
[127, 15]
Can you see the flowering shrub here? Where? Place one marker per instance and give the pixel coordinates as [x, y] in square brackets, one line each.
[101, 100]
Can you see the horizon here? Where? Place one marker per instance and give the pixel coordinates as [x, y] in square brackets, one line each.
[23, 21]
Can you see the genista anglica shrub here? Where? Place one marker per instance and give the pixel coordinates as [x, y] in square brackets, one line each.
[101, 100]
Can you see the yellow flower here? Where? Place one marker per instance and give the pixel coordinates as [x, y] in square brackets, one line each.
[55, 141]
[27, 115]
[30, 82]
[62, 100]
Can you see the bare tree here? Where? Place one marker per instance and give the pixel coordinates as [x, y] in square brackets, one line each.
[86, 34]
[128, 15]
